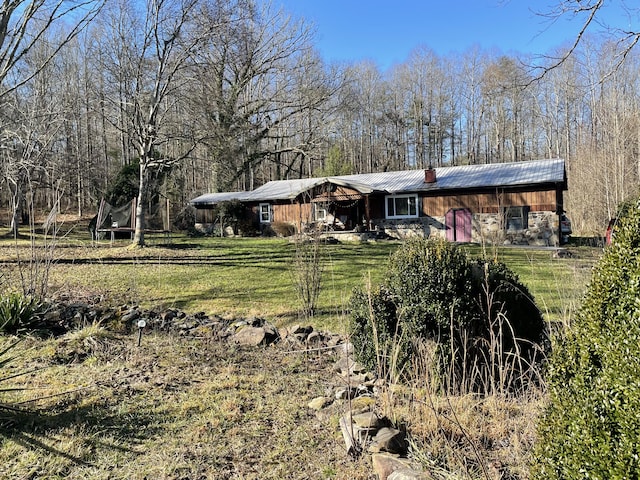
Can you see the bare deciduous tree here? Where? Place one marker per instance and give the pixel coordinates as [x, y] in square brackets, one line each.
[591, 16]
[26, 23]
[151, 48]
[25, 27]
[260, 86]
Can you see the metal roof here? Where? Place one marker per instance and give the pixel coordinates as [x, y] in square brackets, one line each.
[533, 172]
[467, 176]
[284, 189]
[290, 189]
[213, 198]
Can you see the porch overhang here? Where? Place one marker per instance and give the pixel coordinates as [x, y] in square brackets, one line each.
[327, 197]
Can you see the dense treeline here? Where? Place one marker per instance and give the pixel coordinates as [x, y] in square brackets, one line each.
[228, 94]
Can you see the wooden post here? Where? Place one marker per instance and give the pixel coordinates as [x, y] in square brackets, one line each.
[367, 211]
[167, 217]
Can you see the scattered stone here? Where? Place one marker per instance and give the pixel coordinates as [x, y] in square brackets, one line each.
[167, 317]
[408, 474]
[365, 434]
[385, 464]
[299, 330]
[360, 427]
[337, 342]
[250, 336]
[240, 323]
[348, 366]
[203, 331]
[368, 420]
[314, 338]
[319, 403]
[54, 315]
[362, 404]
[271, 331]
[131, 316]
[346, 393]
[351, 444]
[390, 440]
[362, 378]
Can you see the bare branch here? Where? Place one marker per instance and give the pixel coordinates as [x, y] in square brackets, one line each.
[625, 38]
[25, 23]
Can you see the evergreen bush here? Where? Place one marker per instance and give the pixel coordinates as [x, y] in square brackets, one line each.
[591, 427]
[434, 292]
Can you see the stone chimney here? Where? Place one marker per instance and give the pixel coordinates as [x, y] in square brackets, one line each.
[430, 175]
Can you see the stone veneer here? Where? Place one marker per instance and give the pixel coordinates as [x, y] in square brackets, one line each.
[486, 228]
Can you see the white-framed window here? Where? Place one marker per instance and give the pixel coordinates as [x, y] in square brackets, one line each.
[402, 206]
[516, 218]
[264, 210]
[319, 212]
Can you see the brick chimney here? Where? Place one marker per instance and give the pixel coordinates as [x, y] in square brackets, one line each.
[430, 175]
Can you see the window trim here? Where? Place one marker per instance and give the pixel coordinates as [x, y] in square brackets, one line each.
[395, 197]
[261, 212]
[524, 216]
[320, 207]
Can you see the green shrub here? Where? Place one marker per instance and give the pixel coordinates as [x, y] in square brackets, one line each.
[502, 293]
[591, 428]
[478, 313]
[513, 336]
[375, 330]
[17, 313]
[433, 283]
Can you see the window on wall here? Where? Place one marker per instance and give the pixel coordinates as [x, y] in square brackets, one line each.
[516, 218]
[319, 211]
[402, 206]
[265, 212]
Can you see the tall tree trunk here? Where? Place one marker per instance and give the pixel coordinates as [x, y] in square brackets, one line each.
[143, 186]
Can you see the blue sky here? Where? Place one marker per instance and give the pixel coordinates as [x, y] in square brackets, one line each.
[386, 31]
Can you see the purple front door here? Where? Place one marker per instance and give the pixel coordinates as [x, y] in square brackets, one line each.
[458, 223]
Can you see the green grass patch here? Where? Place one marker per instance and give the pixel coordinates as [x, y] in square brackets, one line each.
[252, 276]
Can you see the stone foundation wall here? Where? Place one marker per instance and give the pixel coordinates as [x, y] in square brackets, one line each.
[486, 228]
[423, 227]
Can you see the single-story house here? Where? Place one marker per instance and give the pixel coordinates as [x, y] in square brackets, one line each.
[517, 203]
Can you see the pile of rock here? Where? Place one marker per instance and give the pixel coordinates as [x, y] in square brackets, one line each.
[362, 429]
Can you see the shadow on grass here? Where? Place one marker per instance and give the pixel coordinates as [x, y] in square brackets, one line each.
[39, 431]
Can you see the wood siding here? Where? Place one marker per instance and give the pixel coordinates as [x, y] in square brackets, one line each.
[292, 213]
[206, 215]
[489, 202]
[433, 206]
